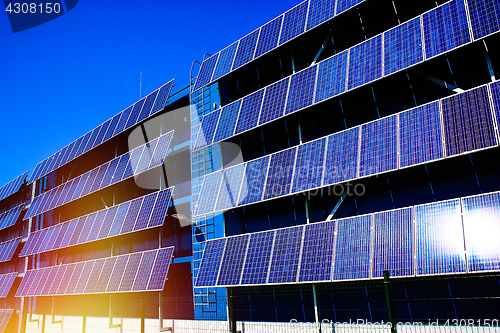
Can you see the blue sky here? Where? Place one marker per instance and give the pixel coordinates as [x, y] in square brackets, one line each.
[65, 77]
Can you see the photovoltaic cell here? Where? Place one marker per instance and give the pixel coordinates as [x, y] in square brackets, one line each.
[60, 237]
[92, 138]
[25, 282]
[365, 62]
[161, 149]
[225, 61]
[300, 93]
[352, 253]
[332, 76]
[145, 213]
[227, 121]
[393, 243]
[210, 263]
[131, 217]
[249, 112]
[440, 241]
[246, 49]
[230, 188]
[73, 280]
[147, 155]
[120, 169]
[286, 255]
[481, 219]
[209, 192]
[317, 253]
[485, 17]
[135, 156]
[232, 263]
[89, 182]
[77, 231]
[123, 120]
[420, 135]
[57, 280]
[468, 122]
[105, 274]
[343, 5]
[309, 166]
[319, 12]
[130, 272]
[160, 268]
[254, 177]
[403, 46]
[148, 105]
[280, 173]
[96, 226]
[65, 279]
[84, 277]
[101, 133]
[112, 127]
[207, 130]
[268, 38]
[81, 185]
[89, 222]
[106, 180]
[119, 219]
[445, 28]
[160, 208]
[69, 233]
[342, 155]
[94, 276]
[141, 280]
[274, 101]
[162, 97]
[258, 258]
[495, 94]
[108, 220]
[116, 276]
[379, 146]
[98, 178]
[206, 71]
[134, 114]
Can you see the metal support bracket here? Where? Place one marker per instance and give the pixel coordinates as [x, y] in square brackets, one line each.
[334, 210]
[438, 81]
[111, 325]
[54, 321]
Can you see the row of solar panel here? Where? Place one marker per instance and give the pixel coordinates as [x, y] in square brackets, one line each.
[125, 166]
[446, 27]
[6, 281]
[5, 315]
[132, 115]
[139, 214]
[139, 271]
[8, 248]
[9, 218]
[408, 138]
[421, 240]
[12, 186]
[382, 55]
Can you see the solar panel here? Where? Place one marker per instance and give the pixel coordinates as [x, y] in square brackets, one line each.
[146, 265]
[162, 97]
[232, 262]
[317, 254]
[445, 28]
[393, 243]
[227, 121]
[274, 101]
[60, 237]
[92, 138]
[421, 139]
[108, 176]
[10, 217]
[25, 282]
[131, 217]
[230, 187]
[81, 185]
[379, 146]
[343, 5]
[352, 252]
[484, 17]
[468, 122]
[246, 49]
[495, 94]
[135, 155]
[341, 157]
[112, 127]
[36, 281]
[309, 165]
[210, 263]
[440, 241]
[116, 276]
[6, 282]
[78, 230]
[42, 280]
[119, 219]
[65, 279]
[84, 277]
[161, 149]
[105, 275]
[403, 46]
[132, 119]
[120, 169]
[123, 120]
[89, 222]
[160, 208]
[69, 232]
[73, 280]
[71, 190]
[225, 61]
[209, 192]
[300, 93]
[48, 281]
[94, 276]
[319, 12]
[8, 248]
[249, 112]
[268, 38]
[332, 76]
[96, 226]
[147, 155]
[146, 210]
[253, 181]
[108, 220]
[32, 238]
[365, 62]
[481, 220]
[130, 272]
[280, 173]
[90, 180]
[5, 315]
[81, 147]
[101, 133]
[207, 129]
[98, 178]
[57, 280]
[160, 268]
[286, 255]
[258, 256]
[206, 71]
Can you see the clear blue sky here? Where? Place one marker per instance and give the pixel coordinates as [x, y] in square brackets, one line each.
[65, 77]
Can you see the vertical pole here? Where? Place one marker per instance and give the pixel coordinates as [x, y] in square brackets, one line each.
[143, 314]
[84, 322]
[43, 320]
[25, 304]
[316, 311]
[230, 304]
[388, 297]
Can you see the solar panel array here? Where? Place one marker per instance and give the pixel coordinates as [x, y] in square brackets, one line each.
[138, 214]
[5, 315]
[146, 107]
[9, 218]
[12, 186]
[6, 281]
[425, 239]
[414, 135]
[8, 248]
[390, 52]
[138, 160]
[139, 271]
[484, 17]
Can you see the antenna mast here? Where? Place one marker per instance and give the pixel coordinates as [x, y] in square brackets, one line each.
[140, 86]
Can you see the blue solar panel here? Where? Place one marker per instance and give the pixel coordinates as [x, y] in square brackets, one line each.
[100, 136]
[81, 185]
[161, 149]
[84, 277]
[98, 178]
[206, 71]
[105, 274]
[148, 105]
[484, 16]
[160, 208]
[146, 210]
[108, 220]
[92, 138]
[232, 263]
[162, 97]
[225, 61]
[141, 280]
[365, 62]
[332, 75]
[481, 218]
[268, 38]
[258, 258]
[209, 192]
[73, 280]
[112, 127]
[286, 255]
[94, 276]
[207, 130]
[130, 272]
[119, 219]
[160, 268]
[445, 28]
[309, 166]
[249, 113]
[227, 121]
[379, 146]
[71, 190]
[342, 156]
[134, 114]
[420, 135]
[82, 238]
[116, 276]
[343, 5]
[59, 158]
[319, 12]
[96, 226]
[253, 181]
[403, 46]
[108, 176]
[123, 120]
[352, 253]
[301, 89]
[90, 180]
[78, 230]
[147, 155]
[274, 101]
[210, 263]
[317, 254]
[131, 217]
[246, 49]
[280, 173]
[440, 241]
[230, 188]
[120, 169]
[393, 243]
[468, 122]
[495, 94]
[135, 156]
[65, 279]
[69, 233]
